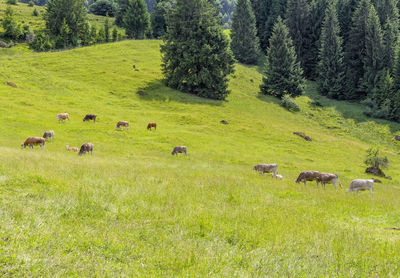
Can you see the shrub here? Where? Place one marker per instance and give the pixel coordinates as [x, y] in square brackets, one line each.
[103, 8]
[35, 12]
[31, 4]
[375, 160]
[11, 2]
[289, 103]
[41, 42]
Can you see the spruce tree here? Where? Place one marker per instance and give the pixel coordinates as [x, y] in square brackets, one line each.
[331, 69]
[355, 49]
[283, 74]
[61, 13]
[298, 22]
[396, 71]
[158, 14]
[12, 30]
[373, 52]
[107, 30]
[345, 10]
[244, 43]
[136, 19]
[196, 57]
[390, 41]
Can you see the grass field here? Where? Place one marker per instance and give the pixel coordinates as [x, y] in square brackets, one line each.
[132, 209]
[24, 15]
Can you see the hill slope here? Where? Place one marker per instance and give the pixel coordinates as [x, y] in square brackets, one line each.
[132, 208]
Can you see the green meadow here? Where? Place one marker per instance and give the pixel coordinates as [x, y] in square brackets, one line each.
[134, 210]
[24, 15]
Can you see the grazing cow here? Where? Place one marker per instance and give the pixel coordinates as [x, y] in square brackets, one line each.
[86, 148]
[90, 117]
[71, 149]
[62, 117]
[49, 135]
[122, 124]
[361, 185]
[151, 125]
[179, 149]
[266, 168]
[325, 178]
[308, 176]
[34, 141]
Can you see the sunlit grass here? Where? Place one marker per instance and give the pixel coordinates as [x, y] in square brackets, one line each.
[133, 209]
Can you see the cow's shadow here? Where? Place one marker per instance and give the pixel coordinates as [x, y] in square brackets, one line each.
[157, 91]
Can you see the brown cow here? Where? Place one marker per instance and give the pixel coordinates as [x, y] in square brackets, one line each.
[49, 135]
[325, 178]
[62, 117]
[34, 141]
[122, 124]
[86, 148]
[72, 149]
[179, 149]
[308, 176]
[90, 117]
[151, 125]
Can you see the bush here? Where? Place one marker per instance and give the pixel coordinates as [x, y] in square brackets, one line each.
[103, 8]
[31, 4]
[35, 12]
[289, 103]
[41, 42]
[11, 2]
[375, 160]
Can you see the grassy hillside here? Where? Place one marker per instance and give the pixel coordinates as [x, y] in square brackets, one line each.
[24, 15]
[132, 209]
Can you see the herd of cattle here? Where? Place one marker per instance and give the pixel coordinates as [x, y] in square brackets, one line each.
[320, 178]
[323, 178]
[86, 147]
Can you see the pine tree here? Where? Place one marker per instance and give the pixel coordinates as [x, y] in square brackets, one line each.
[387, 10]
[390, 41]
[244, 43]
[283, 74]
[195, 55]
[114, 34]
[93, 34]
[346, 9]
[71, 12]
[136, 19]
[317, 16]
[373, 54]
[12, 30]
[355, 49]
[396, 70]
[106, 30]
[331, 69]
[158, 14]
[298, 22]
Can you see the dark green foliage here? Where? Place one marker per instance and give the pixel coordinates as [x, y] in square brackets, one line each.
[114, 34]
[11, 2]
[104, 8]
[85, 37]
[373, 52]
[61, 15]
[158, 23]
[355, 51]
[244, 43]
[93, 34]
[195, 55]
[346, 9]
[283, 74]
[267, 12]
[107, 30]
[12, 30]
[298, 22]
[331, 80]
[136, 19]
[374, 159]
[31, 4]
[41, 42]
[35, 12]
[289, 103]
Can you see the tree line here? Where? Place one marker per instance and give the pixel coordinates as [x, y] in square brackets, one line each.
[350, 47]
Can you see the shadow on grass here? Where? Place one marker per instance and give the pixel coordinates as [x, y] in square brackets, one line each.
[157, 91]
[353, 110]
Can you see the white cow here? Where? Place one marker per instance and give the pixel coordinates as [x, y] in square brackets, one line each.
[361, 185]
